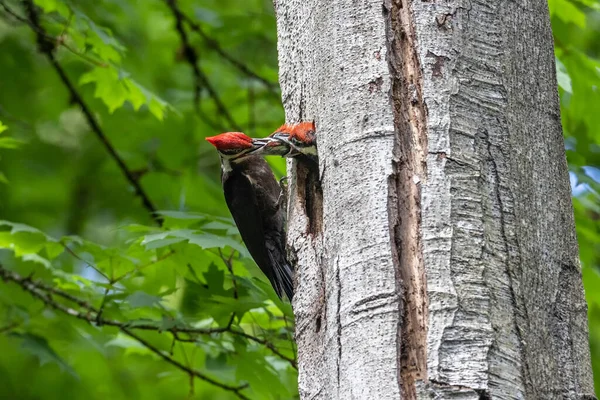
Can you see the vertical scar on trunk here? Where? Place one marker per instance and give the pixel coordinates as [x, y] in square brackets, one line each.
[310, 192]
[404, 207]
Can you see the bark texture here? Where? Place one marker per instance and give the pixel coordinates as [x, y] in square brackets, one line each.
[435, 243]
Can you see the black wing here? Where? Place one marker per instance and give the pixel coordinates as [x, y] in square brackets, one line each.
[261, 226]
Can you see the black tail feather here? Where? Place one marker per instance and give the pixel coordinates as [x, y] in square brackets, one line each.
[283, 280]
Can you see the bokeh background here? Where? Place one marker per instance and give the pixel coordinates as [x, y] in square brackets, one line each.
[158, 76]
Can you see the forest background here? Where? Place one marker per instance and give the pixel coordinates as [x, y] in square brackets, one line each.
[123, 275]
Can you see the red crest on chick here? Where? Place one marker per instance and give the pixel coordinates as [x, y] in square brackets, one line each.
[302, 132]
[230, 140]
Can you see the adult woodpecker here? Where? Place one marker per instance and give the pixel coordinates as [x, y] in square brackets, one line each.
[253, 196]
[291, 140]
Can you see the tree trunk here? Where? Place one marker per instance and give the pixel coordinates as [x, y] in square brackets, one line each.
[434, 242]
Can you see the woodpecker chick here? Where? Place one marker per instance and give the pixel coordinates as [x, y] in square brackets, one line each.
[290, 140]
[253, 196]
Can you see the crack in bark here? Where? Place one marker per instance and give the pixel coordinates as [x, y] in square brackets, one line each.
[405, 196]
[355, 310]
[445, 385]
[338, 321]
[435, 386]
[310, 192]
[497, 193]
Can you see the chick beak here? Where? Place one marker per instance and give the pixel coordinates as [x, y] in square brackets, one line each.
[270, 146]
[284, 140]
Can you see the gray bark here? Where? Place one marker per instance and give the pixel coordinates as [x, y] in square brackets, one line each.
[435, 245]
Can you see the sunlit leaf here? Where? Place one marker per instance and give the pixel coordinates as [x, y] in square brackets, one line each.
[114, 89]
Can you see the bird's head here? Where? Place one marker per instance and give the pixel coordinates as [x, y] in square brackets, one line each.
[233, 146]
[302, 134]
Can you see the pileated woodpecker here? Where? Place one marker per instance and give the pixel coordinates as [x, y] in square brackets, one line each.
[253, 196]
[291, 140]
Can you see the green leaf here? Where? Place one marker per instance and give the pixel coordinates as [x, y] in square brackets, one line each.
[36, 259]
[54, 249]
[141, 299]
[114, 88]
[591, 279]
[3, 127]
[17, 227]
[109, 88]
[99, 39]
[183, 215]
[215, 278]
[58, 6]
[261, 376]
[39, 347]
[567, 11]
[202, 239]
[219, 226]
[564, 80]
[127, 55]
[130, 345]
[9, 143]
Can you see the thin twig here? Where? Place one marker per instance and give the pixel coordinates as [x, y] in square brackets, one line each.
[93, 315]
[102, 305]
[200, 78]
[46, 47]
[92, 266]
[229, 265]
[290, 338]
[267, 344]
[9, 327]
[59, 41]
[235, 389]
[138, 269]
[213, 44]
[36, 290]
[61, 293]
[243, 334]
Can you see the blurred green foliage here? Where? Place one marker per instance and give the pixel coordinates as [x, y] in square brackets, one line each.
[107, 303]
[576, 28]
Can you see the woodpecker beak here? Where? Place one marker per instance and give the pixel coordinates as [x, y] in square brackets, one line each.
[257, 146]
[261, 143]
[271, 146]
[283, 140]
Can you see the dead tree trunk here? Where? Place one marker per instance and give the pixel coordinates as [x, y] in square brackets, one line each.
[435, 241]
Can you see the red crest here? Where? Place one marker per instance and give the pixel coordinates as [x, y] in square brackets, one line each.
[230, 141]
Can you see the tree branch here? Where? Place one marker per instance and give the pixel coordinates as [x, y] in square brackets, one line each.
[215, 45]
[94, 316]
[200, 78]
[46, 47]
[36, 289]
[92, 266]
[192, 372]
[267, 344]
